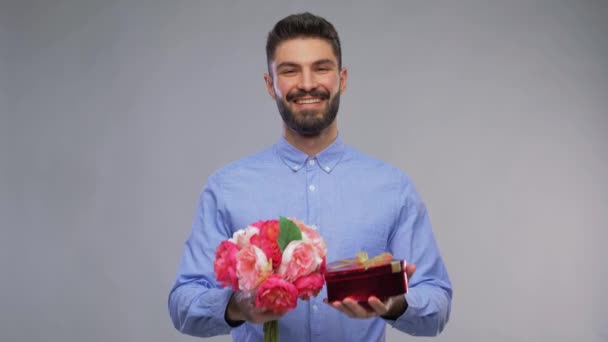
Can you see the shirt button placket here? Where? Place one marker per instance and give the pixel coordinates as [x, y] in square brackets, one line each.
[312, 187]
[314, 212]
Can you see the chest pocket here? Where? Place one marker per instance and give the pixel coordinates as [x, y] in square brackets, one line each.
[365, 234]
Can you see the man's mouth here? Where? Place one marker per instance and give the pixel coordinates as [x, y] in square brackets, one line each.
[308, 100]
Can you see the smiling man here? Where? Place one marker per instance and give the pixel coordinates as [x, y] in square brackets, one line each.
[357, 202]
[306, 80]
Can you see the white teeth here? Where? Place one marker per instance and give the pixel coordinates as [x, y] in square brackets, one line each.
[308, 101]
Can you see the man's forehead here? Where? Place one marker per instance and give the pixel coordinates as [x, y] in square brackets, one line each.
[304, 51]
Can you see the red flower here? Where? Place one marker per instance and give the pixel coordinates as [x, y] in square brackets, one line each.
[224, 265]
[277, 295]
[270, 247]
[270, 230]
[309, 286]
[268, 240]
[258, 224]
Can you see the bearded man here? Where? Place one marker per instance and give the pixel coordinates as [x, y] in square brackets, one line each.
[357, 203]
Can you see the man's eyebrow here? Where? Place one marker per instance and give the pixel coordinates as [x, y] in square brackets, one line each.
[287, 64]
[324, 61]
[316, 63]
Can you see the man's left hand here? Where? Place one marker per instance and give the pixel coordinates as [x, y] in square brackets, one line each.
[390, 309]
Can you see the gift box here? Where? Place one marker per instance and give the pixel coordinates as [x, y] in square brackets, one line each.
[359, 278]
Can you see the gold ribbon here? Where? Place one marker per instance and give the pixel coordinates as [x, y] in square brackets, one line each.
[363, 260]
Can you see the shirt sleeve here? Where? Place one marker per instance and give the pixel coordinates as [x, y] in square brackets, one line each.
[196, 304]
[430, 291]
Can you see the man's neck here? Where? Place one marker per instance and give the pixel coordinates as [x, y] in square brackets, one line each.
[311, 145]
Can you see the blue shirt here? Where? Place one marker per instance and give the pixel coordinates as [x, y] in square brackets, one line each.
[357, 203]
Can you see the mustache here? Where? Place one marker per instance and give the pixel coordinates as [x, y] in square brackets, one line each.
[313, 93]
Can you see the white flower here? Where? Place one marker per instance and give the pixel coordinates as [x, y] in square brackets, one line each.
[242, 236]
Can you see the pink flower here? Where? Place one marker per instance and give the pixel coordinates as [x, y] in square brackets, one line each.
[242, 236]
[252, 267]
[224, 265]
[277, 295]
[309, 286]
[309, 234]
[299, 259]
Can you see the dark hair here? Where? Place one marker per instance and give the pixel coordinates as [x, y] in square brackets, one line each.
[302, 25]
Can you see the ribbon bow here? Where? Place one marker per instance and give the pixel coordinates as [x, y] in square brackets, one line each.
[363, 260]
[379, 259]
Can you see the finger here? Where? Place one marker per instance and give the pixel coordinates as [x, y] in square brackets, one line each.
[338, 305]
[378, 306]
[409, 270]
[342, 308]
[351, 308]
[357, 310]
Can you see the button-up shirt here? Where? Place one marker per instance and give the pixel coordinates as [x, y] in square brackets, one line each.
[356, 202]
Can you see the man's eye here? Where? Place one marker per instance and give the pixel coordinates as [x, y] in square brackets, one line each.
[288, 72]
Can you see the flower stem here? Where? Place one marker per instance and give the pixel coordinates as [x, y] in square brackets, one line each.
[271, 331]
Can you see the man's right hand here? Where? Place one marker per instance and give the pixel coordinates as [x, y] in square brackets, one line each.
[241, 307]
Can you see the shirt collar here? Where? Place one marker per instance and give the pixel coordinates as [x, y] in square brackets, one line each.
[296, 159]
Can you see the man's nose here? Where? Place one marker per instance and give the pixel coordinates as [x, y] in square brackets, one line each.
[308, 81]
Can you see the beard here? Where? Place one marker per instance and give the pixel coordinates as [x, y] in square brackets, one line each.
[306, 122]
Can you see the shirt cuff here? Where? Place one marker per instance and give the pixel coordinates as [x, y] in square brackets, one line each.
[413, 306]
[213, 305]
[411, 312]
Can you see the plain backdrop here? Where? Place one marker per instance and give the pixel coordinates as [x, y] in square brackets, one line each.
[114, 113]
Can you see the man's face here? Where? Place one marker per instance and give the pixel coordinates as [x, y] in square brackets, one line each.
[306, 83]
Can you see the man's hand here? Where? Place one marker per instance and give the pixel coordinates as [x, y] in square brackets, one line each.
[390, 309]
[241, 307]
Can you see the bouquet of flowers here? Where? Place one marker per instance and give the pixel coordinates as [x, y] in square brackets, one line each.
[277, 261]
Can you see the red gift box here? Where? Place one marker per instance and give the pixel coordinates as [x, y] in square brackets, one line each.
[358, 279]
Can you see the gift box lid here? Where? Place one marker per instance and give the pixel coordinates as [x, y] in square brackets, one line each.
[362, 266]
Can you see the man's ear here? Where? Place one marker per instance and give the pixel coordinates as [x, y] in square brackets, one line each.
[269, 85]
[343, 79]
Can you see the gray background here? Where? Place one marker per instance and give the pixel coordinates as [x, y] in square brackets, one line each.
[113, 114]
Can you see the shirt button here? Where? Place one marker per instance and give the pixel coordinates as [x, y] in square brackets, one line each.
[315, 308]
[311, 162]
[311, 187]
[296, 167]
[327, 168]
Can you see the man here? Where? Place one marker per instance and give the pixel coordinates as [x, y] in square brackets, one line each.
[358, 204]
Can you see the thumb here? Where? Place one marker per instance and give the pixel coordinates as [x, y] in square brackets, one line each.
[409, 270]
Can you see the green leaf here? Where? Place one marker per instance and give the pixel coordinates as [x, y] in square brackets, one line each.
[288, 232]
